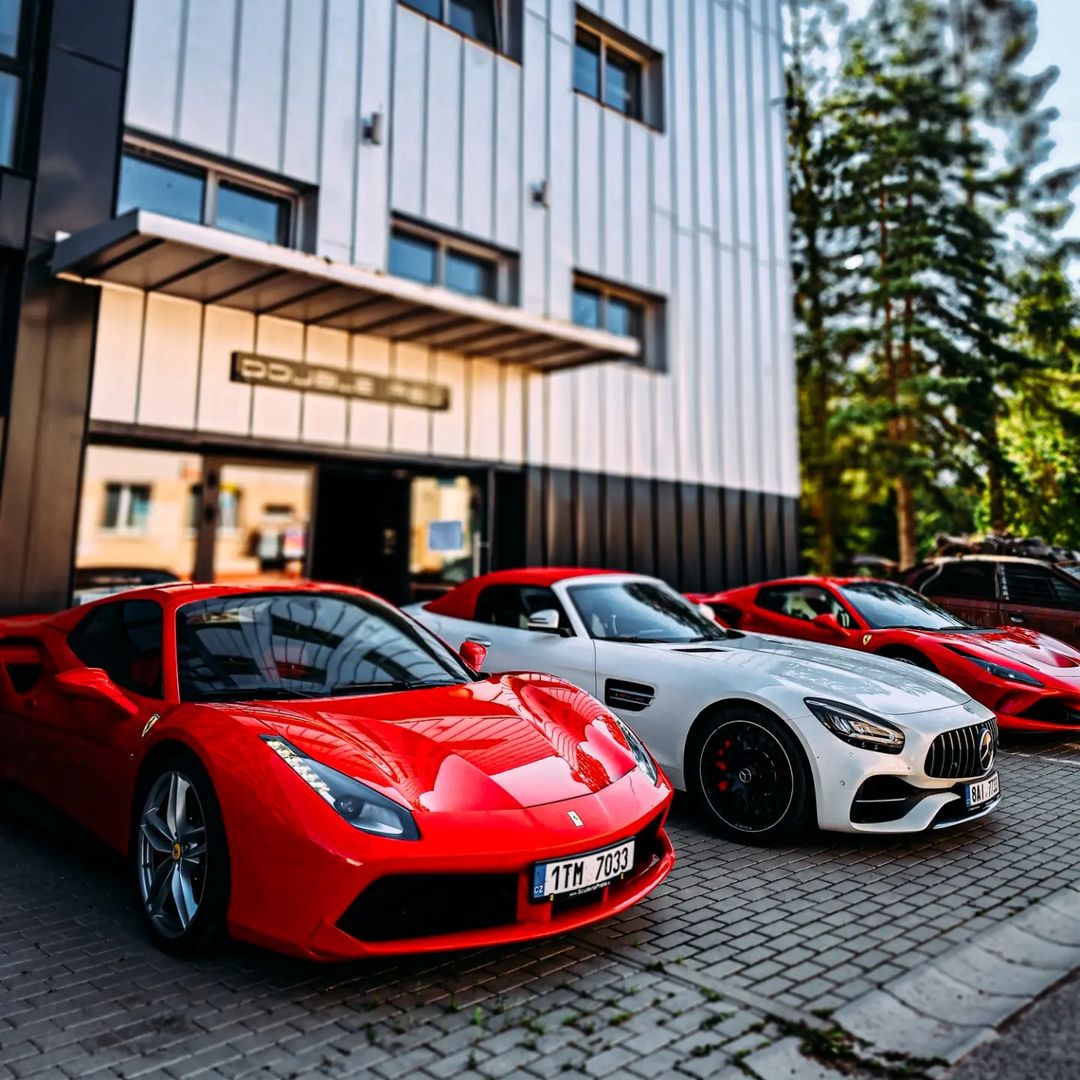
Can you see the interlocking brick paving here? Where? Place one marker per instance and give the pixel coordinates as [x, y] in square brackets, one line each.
[685, 983]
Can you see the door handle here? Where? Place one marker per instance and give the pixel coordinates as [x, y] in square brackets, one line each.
[486, 642]
[1018, 619]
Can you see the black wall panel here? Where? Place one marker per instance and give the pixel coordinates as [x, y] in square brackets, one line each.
[714, 571]
[771, 524]
[734, 540]
[667, 531]
[753, 541]
[698, 538]
[589, 518]
[616, 511]
[560, 536]
[535, 555]
[691, 576]
[642, 527]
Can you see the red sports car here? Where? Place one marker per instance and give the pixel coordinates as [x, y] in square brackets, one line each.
[313, 771]
[1031, 680]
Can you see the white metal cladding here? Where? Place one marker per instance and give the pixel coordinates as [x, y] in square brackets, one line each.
[695, 212]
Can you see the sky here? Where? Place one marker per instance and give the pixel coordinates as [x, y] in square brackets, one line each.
[1059, 45]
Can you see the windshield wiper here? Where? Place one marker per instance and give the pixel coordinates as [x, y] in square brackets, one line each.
[387, 686]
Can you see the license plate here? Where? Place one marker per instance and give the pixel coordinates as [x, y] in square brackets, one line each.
[582, 873]
[982, 791]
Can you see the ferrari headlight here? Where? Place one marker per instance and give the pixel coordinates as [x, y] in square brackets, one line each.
[361, 806]
[642, 756]
[1000, 671]
[856, 727]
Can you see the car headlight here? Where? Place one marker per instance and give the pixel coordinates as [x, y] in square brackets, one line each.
[642, 756]
[361, 806]
[1000, 671]
[856, 727]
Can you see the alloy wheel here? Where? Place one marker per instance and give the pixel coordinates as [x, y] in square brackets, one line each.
[747, 776]
[172, 854]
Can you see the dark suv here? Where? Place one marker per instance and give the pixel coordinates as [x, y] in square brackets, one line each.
[998, 590]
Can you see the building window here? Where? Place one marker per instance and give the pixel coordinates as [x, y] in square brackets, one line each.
[126, 509]
[421, 255]
[616, 70]
[477, 19]
[205, 195]
[600, 305]
[12, 68]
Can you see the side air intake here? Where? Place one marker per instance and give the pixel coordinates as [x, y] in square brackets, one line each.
[629, 696]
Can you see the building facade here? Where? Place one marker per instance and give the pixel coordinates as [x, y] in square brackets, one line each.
[393, 291]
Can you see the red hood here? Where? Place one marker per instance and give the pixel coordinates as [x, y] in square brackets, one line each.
[1020, 647]
[521, 740]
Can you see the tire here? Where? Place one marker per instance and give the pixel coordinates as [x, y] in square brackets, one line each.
[179, 854]
[749, 778]
[910, 656]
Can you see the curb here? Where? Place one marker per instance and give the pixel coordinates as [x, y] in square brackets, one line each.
[945, 1008]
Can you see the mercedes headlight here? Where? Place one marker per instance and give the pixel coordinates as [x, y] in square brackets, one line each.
[361, 806]
[642, 756]
[856, 727]
[1000, 671]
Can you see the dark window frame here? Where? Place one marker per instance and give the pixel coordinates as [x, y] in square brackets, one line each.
[215, 175]
[18, 66]
[651, 329]
[647, 61]
[503, 264]
[507, 19]
[1056, 585]
[555, 605]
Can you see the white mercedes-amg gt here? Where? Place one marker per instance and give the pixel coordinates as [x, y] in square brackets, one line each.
[768, 734]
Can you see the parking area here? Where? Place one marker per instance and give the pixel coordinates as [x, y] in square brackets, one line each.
[741, 947]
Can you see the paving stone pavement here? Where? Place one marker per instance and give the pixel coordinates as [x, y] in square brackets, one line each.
[724, 970]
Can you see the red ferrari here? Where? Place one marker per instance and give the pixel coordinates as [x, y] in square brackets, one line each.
[310, 770]
[1031, 680]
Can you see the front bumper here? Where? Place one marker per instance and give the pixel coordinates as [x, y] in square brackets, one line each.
[866, 791]
[314, 909]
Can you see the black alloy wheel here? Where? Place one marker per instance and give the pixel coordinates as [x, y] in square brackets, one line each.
[748, 775]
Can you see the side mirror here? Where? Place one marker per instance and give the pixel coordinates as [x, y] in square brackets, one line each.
[94, 684]
[830, 624]
[474, 654]
[546, 621]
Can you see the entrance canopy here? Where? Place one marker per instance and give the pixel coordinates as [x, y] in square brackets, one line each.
[162, 254]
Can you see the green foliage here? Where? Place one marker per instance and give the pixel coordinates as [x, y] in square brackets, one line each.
[936, 332]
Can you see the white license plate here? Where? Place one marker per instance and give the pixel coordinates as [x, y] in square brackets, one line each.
[982, 791]
[582, 873]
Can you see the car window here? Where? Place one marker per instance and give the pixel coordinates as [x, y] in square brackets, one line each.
[1039, 587]
[883, 604]
[642, 611]
[311, 644]
[805, 602]
[963, 581]
[511, 605]
[123, 638]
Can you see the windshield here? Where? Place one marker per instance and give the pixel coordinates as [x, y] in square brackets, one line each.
[883, 604]
[642, 611]
[290, 645]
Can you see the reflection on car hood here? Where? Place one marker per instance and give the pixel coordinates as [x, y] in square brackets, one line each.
[879, 685]
[1019, 646]
[500, 744]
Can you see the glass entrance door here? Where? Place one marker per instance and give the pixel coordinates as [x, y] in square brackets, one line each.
[261, 522]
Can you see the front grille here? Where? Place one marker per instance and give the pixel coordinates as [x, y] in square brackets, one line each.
[424, 905]
[631, 697]
[959, 753]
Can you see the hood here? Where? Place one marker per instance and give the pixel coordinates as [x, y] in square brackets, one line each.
[1018, 646]
[876, 684]
[500, 744]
